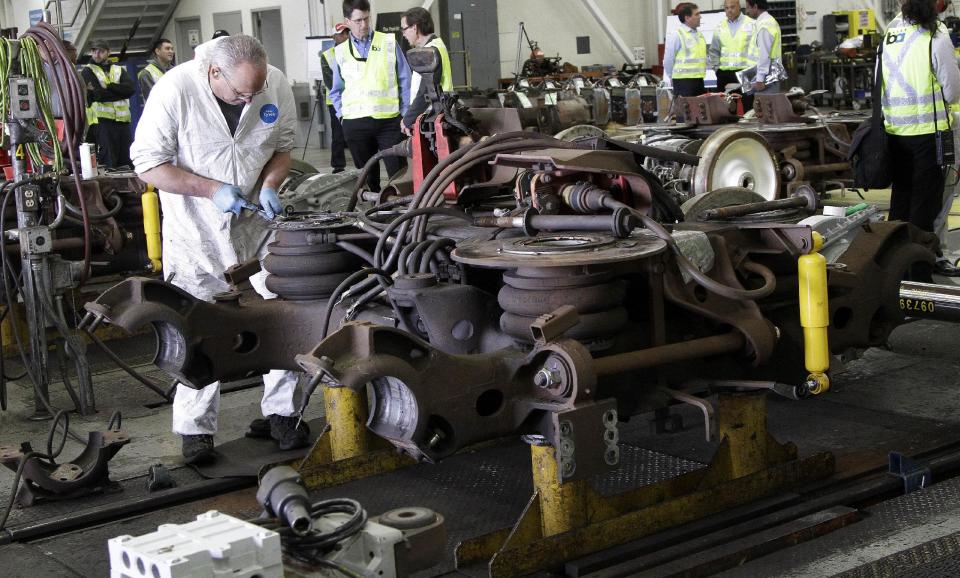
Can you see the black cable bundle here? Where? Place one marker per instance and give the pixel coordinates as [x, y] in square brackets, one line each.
[311, 548]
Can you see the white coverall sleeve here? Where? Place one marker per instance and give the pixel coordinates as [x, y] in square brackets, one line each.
[288, 114]
[155, 142]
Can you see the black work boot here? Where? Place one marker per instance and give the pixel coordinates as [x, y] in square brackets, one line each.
[198, 450]
[288, 436]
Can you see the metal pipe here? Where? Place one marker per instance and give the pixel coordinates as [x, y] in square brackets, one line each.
[610, 30]
[58, 245]
[751, 208]
[930, 301]
[124, 508]
[672, 353]
[550, 222]
[826, 168]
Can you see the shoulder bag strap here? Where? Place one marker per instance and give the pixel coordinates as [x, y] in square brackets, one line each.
[878, 86]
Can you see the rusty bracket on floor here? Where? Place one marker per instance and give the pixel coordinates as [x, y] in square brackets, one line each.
[86, 474]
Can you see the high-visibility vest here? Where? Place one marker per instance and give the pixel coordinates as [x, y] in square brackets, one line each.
[691, 59]
[446, 76]
[118, 110]
[770, 24]
[910, 89]
[735, 48]
[371, 87]
[329, 57]
[153, 70]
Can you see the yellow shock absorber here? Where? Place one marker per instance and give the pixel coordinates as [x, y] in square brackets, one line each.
[815, 316]
[151, 226]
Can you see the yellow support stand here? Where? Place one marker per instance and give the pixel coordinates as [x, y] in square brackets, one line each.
[563, 521]
[563, 505]
[346, 413]
[345, 450]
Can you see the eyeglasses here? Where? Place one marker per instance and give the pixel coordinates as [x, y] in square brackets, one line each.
[360, 20]
[405, 28]
[242, 96]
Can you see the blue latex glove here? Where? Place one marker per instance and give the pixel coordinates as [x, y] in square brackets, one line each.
[270, 202]
[229, 199]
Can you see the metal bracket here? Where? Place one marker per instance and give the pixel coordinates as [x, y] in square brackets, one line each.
[914, 475]
[241, 272]
[705, 407]
[85, 474]
[550, 326]
[35, 240]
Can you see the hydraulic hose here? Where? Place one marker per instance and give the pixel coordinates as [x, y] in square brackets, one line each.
[401, 149]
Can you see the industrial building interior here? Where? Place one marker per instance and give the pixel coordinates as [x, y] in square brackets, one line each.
[629, 294]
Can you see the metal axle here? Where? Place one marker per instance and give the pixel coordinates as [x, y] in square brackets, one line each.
[930, 301]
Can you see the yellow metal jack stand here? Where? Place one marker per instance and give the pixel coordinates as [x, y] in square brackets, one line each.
[345, 450]
[564, 521]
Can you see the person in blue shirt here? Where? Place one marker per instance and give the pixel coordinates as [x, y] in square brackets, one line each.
[371, 90]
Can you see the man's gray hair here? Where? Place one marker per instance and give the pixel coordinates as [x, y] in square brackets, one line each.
[229, 51]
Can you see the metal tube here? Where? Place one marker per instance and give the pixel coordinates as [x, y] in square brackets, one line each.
[32, 267]
[929, 301]
[58, 245]
[826, 168]
[124, 508]
[672, 353]
[751, 208]
[610, 30]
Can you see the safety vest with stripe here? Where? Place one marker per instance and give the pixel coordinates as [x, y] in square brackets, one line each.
[735, 48]
[154, 72]
[691, 59]
[769, 23]
[910, 89]
[371, 87]
[329, 57]
[118, 110]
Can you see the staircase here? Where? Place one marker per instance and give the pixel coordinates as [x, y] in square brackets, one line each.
[112, 20]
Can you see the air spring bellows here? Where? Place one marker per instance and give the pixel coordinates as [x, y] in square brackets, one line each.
[530, 292]
[306, 264]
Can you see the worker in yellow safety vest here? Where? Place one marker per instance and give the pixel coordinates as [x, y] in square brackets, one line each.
[160, 62]
[729, 49]
[921, 81]
[416, 24]
[371, 90]
[685, 54]
[109, 88]
[766, 49]
[338, 144]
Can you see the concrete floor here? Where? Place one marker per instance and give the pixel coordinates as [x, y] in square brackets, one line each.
[869, 412]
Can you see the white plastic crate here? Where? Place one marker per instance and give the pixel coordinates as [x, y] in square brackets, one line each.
[214, 545]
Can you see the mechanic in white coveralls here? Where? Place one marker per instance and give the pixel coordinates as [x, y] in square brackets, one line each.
[215, 138]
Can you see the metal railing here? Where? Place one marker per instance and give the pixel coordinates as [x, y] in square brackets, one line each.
[58, 5]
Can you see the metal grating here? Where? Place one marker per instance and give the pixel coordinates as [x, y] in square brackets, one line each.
[487, 489]
[641, 467]
[940, 557]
